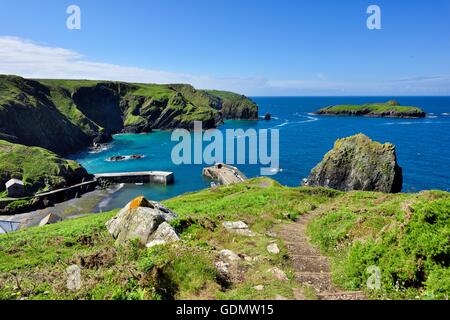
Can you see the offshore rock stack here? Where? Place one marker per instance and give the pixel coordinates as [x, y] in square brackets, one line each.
[358, 163]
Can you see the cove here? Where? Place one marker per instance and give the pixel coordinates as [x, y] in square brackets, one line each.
[421, 144]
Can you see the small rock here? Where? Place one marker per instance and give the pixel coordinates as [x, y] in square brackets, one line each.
[238, 227]
[278, 274]
[280, 297]
[273, 248]
[235, 225]
[50, 219]
[229, 255]
[259, 288]
[222, 266]
[154, 243]
[271, 234]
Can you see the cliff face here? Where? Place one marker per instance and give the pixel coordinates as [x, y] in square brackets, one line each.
[67, 115]
[235, 106]
[358, 163]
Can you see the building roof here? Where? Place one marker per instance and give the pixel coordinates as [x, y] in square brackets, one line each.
[13, 182]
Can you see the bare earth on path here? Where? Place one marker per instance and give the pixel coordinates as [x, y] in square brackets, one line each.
[312, 269]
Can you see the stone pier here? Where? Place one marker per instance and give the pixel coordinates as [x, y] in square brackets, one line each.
[156, 177]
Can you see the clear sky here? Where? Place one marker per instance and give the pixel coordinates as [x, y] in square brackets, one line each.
[257, 47]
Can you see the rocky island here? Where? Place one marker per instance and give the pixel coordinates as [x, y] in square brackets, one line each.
[358, 163]
[390, 109]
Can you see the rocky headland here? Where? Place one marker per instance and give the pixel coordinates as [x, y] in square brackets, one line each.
[67, 115]
[358, 163]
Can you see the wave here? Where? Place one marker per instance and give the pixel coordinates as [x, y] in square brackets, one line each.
[446, 114]
[275, 170]
[282, 125]
[431, 117]
[102, 148]
[308, 119]
[411, 122]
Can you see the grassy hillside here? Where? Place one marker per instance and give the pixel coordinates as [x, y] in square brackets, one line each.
[407, 236]
[388, 109]
[37, 167]
[33, 261]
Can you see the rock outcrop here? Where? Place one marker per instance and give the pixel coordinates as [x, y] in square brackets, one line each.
[143, 220]
[358, 163]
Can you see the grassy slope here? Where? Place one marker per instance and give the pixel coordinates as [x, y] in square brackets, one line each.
[405, 235]
[39, 256]
[33, 165]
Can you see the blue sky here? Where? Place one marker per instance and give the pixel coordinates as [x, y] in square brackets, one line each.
[257, 47]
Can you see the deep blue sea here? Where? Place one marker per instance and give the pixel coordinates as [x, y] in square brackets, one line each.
[423, 145]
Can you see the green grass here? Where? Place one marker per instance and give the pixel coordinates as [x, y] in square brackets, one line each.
[39, 256]
[34, 165]
[156, 91]
[70, 85]
[406, 236]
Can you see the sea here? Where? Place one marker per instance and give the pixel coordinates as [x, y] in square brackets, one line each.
[422, 145]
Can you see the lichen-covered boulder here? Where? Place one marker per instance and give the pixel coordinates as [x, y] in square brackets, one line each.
[140, 219]
[164, 234]
[358, 163]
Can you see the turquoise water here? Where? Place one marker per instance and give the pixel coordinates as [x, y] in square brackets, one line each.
[423, 145]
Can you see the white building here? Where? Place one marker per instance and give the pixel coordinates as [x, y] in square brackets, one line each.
[15, 188]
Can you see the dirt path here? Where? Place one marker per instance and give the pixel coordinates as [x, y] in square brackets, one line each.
[312, 269]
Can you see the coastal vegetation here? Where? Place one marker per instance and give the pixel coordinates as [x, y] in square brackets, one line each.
[390, 109]
[405, 235]
[38, 168]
